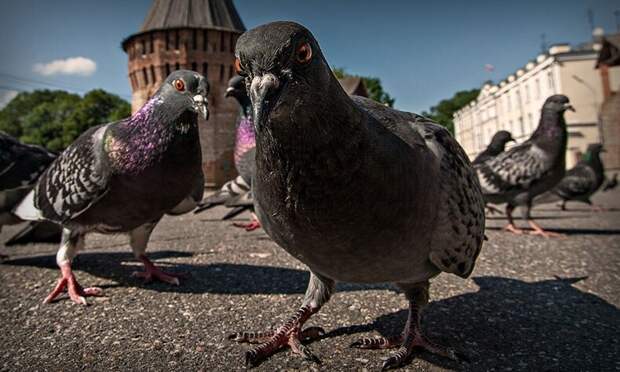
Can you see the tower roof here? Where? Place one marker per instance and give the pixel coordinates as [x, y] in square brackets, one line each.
[211, 14]
[218, 14]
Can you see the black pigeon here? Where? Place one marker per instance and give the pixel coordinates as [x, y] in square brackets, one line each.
[496, 147]
[122, 177]
[355, 190]
[237, 193]
[20, 167]
[612, 183]
[580, 182]
[518, 175]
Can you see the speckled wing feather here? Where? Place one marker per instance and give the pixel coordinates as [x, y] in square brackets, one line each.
[513, 170]
[578, 182]
[75, 180]
[459, 228]
[21, 164]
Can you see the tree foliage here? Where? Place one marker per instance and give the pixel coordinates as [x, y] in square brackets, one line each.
[54, 119]
[373, 86]
[442, 113]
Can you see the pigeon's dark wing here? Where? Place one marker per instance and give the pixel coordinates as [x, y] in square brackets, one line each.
[513, 170]
[578, 182]
[77, 179]
[460, 215]
[21, 164]
[482, 157]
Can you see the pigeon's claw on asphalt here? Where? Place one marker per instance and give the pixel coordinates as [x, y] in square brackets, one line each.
[253, 225]
[290, 334]
[68, 283]
[152, 272]
[537, 230]
[513, 229]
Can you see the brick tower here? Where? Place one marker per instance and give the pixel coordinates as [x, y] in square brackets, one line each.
[197, 35]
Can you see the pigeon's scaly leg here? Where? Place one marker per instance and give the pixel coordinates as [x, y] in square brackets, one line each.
[511, 223]
[253, 225]
[318, 293]
[539, 231]
[563, 205]
[69, 246]
[412, 336]
[138, 239]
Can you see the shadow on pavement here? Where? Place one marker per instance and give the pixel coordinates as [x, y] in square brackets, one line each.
[220, 278]
[512, 324]
[568, 231]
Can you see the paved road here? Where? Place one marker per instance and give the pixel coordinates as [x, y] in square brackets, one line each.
[531, 303]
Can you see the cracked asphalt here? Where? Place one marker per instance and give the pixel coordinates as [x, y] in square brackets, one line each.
[530, 304]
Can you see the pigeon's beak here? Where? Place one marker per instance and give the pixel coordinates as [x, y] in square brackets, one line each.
[568, 106]
[262, 90]
[229, 91]
[200, 105]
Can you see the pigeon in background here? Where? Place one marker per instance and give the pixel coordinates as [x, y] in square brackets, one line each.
[20, 167]
[518, 175]
[237, 193]
[580, 182]
[122, 177]
[612, 183]
[496, 147]
[357, 191]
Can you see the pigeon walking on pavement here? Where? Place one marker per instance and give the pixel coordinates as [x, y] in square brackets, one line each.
[357, 191]
[237, 193]
[612, 183]
[20, 167]
[122, 177]
[518, 175]
[580, 182]
[496, 147]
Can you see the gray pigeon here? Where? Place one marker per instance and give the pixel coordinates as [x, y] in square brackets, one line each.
[496, 147]
[20, 167]
[122, 177]
[580, 182]
[518, 175]
[355, 190]
[237, 193]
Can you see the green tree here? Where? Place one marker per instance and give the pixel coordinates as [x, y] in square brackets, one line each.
[373, 86]
[54, 119]
[442, 113]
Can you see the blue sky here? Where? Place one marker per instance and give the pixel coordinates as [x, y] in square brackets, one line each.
[423, 51]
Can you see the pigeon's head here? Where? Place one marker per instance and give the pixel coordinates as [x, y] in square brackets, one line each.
[236, 87]
[595, 148]
[185, 90]
[283, 67]
[502, 138]
[558, 103]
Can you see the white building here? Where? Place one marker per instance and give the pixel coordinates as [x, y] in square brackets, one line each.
[514, 104]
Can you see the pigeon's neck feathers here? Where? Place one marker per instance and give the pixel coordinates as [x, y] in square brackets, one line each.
[551, 133]
[245, 105]
[495, 148]
[140, 140]
[594, 161]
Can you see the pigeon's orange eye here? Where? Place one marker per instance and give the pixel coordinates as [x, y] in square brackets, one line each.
[238, 66]
[179, 85]
[303, 53]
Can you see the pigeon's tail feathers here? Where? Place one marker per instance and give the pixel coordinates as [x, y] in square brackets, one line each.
[231, 189]
[27, 210]
[9, 199]
[36, 232]
[235, 212]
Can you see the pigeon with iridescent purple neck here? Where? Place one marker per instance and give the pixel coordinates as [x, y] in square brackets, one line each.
[237, 193]
[122, 177]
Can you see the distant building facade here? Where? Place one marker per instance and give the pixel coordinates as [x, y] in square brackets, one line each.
[197, 35]
[608, 58]
[514, 104]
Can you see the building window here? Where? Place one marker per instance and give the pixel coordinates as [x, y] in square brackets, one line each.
[143, 46]
[153, 77]
[222, 73]
[167, 69]
[177, 66]
[521, 128]
[508, 106]
[168, 36]
[230, 72]
[176, 40]
[205, 68]
[194, 39]
[222, 46]
[537, 87]
[205, 40]
[530, 120]
[510, 128]
[232, 42]
[527, 92]
[551, 83]
[194, 66]
[145, 76]
[151, 43]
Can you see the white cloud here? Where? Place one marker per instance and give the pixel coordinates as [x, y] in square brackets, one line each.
[6, 96]
[71, 66]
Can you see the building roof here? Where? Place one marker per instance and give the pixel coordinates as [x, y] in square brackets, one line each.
[354, 85]
[171, 14]
[610, 51]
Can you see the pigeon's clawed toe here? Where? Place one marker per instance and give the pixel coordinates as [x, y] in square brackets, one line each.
[152, 272]
[251, 226]
[374, 343]
[68, 283]
[513, 229]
